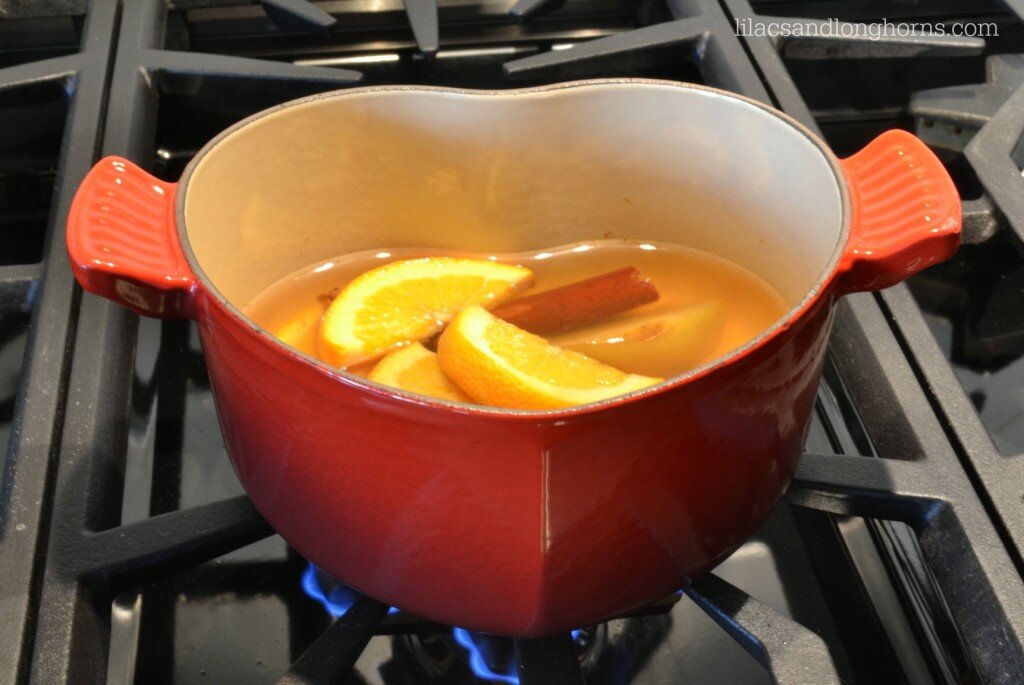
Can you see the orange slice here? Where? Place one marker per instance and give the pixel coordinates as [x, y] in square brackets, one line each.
[410, 300]
[659, 345]
[416, 369]
[500, 365]
[300, 330]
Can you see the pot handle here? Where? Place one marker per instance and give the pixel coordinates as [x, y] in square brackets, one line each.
[905, 213]
[123, 243]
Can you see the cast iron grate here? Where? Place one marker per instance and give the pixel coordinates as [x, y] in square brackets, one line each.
[303, 15]
[91, 556]
[66, 84]
[984, 121]
[699, 33]
[987, 123]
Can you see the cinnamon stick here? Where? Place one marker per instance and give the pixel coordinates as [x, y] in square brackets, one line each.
[578, 304]
[575, 305]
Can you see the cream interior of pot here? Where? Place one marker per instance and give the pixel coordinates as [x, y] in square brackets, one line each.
[509, 173]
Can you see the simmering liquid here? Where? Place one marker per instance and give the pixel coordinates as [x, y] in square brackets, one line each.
[711, 305]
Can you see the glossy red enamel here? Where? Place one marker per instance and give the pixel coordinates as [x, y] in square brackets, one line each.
[513, 523]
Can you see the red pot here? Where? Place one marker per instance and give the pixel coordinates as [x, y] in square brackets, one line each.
[513, 522]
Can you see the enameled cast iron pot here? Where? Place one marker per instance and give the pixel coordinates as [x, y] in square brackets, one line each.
[513, 522]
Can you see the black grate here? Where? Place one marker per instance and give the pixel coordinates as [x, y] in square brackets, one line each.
[83, 432]
[59, 98]
[944, 521]
[983, 120]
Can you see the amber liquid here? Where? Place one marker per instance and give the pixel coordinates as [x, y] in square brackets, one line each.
[743, 303]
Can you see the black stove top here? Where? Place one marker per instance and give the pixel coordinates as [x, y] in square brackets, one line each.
[128, 551]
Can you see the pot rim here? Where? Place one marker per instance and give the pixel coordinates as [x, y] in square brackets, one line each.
[780, 326]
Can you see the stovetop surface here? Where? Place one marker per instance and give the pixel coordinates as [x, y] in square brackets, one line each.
[129, 552]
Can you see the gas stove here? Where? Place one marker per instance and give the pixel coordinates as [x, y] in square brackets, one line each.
[128, 550]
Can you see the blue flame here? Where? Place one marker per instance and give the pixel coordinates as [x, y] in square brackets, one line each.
[337, 601]
[340, 599]
[477, 662]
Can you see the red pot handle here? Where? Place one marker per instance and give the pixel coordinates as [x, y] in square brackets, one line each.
[906, 212]
[123, 242]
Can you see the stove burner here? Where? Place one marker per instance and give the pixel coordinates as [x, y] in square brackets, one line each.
[619, 646]
[490, 657]
[997, 153]
[484, 651]
[337, 599]
[947, 118]
[984, 122]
